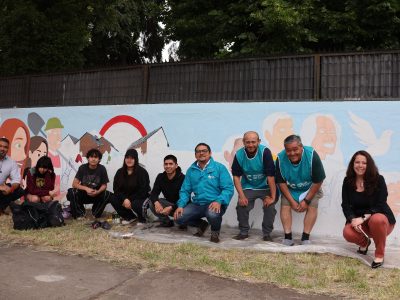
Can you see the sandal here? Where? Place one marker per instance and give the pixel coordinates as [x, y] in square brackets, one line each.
[364, 252]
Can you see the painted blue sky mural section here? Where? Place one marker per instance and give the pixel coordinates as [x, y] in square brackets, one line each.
[187, 124]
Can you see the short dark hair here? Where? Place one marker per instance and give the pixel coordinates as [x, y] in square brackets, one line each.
[171, 157]
[292, 138]
[45, 162]
[203, 144]
[94, 153]
[5, 140]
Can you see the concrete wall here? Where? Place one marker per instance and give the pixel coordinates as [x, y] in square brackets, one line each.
[335, 129]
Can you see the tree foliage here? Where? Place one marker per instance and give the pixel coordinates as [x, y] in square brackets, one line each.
[261, 27]
[59, 35]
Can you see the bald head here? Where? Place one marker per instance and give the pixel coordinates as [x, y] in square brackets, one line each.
[251, 140]
[250, 134]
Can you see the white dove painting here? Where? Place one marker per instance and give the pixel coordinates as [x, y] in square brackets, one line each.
[366, 135]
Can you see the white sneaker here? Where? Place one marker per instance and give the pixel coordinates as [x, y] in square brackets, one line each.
[127, 222]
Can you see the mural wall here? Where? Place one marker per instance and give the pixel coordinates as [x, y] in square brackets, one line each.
[336, 130]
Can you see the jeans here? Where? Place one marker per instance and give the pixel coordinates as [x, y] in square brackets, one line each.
[192, 214]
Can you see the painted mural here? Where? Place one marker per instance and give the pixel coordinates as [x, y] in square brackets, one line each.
[335, 129]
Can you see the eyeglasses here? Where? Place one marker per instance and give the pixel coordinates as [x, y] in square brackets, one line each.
[201, 151]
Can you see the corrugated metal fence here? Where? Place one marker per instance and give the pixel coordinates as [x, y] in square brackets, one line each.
[373, 75]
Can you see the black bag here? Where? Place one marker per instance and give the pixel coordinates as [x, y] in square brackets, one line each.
[55, 214]
[30, 215]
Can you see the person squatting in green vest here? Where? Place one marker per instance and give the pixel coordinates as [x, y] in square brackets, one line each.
[299, 173]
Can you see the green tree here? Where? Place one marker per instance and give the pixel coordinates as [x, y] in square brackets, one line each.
[234, 28]
[41, 36]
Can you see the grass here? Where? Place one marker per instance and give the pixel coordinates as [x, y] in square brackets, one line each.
[307, 273]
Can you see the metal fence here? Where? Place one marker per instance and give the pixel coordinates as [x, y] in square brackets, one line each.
[373, 75]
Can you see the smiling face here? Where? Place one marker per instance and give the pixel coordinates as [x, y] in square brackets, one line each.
[18, 145]
[170, 167]
[251, 142]
[325, 138]
[202, 154]
[294, 151]
[360, 165]
[3, 149]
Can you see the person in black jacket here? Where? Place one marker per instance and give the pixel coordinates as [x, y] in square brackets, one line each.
[168, 183]
[364, 195]
[131, 189]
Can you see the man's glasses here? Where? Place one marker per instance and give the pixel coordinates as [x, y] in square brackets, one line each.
[201, 151]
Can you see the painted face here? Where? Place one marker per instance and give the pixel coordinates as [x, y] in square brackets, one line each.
[281, 129]
[42, 170]
[38, 153]
[294, 152]
[129, 161]
[170, 166]
[3, 149]
[54, 138]
[251, 142]
[18, 145]
[93, 161]
[360, 165]
[202, 154]
[325, 138]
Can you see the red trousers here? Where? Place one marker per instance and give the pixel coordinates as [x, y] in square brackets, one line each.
[376, 227]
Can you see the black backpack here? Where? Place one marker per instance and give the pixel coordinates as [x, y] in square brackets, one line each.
[30, 215]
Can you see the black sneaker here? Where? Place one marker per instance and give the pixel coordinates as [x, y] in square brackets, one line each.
[182, 227]
[165, 225]
[214, 237]
[241, 237]
[267, 238]
[202, 228]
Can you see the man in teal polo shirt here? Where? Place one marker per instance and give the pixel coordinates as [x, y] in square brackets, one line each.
[299, 173]
[253, 173]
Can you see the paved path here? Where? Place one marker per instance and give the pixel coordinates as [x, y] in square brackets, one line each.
[27, 273]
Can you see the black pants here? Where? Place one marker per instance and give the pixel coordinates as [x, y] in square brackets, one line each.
[78, 198]
[163, 218]
[5, 200]
[139, 207]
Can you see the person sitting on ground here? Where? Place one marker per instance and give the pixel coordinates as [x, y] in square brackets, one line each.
[364, 195]
[8, 170]
[299, 173]
[168, 183]
[40, 181]
[212, 187]
[89, 187]
[131, 190]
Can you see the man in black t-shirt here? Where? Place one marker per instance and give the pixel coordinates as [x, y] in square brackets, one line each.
[89, 187]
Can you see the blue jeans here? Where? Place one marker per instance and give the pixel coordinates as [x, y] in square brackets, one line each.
[192, 214]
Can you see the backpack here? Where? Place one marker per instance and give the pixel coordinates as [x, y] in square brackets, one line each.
[55, 214]
[30, 215]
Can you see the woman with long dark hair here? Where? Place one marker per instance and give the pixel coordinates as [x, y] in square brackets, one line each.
[364, 195]
[131, 189]
[40, 181]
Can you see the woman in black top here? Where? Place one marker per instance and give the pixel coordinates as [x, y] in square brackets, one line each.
[364, 195]
[131, 189]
